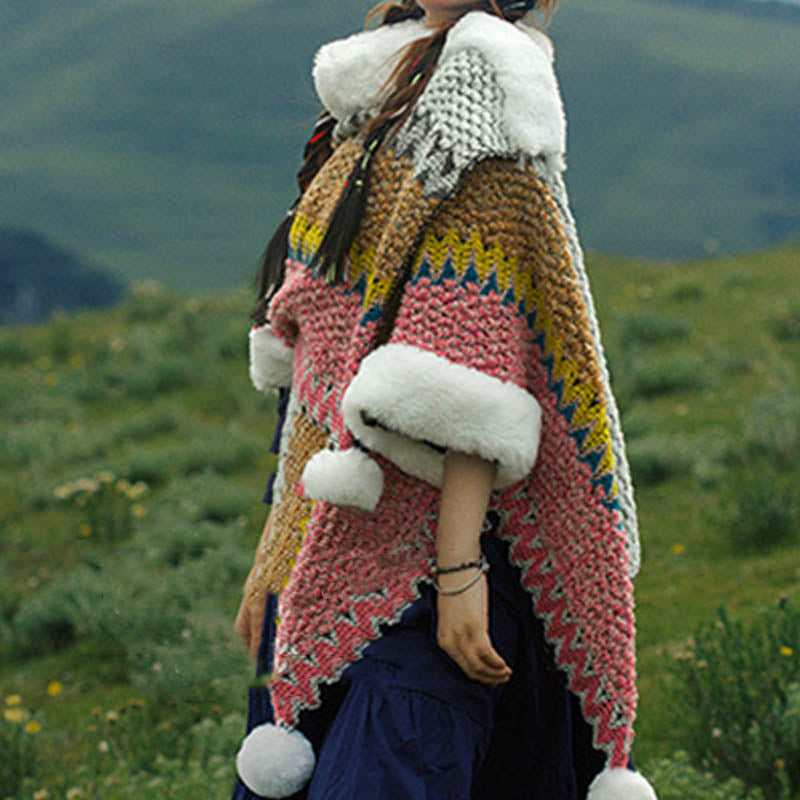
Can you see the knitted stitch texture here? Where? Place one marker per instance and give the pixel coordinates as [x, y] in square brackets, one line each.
[499, 293]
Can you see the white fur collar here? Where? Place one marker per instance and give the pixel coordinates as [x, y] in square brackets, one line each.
[348, 73]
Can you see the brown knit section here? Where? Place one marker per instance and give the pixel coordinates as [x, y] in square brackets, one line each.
[276, 555]
[396, 211]
[322, 195]
[515, 209]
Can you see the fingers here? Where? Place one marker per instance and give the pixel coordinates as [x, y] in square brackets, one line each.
[242, 624]
[478, 659]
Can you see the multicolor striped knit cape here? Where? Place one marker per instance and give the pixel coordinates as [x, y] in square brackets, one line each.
[495, 351]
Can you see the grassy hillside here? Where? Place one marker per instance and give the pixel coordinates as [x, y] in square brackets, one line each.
[161, 139]
[134, 458]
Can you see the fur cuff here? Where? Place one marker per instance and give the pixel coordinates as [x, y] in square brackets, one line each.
[620, 784]
[410, 404]
[271, 361]
[345, 477]
[275, 762]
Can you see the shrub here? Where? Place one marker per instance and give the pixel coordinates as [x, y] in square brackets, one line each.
[651, 329]
[773, 428]
[676, 778]
[687, 291]
[762, 511]
[204, 767]
[154, 423]
[738, 706]
[13, 350]
[676, 373]
[657, 458]
[785, 324]
[149, 302]
[207, 496]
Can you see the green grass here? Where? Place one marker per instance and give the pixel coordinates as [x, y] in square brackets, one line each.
[71, 409]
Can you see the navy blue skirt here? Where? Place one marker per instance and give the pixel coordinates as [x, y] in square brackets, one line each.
[405, 722]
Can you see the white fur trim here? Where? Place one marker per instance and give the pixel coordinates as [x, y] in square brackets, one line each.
[271, 361]
[345, 477]
[419, 397]
[275, 762]
[620, 784]
[349, 73]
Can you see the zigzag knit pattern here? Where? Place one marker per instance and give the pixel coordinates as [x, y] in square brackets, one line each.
[504, 300]
[469, 193]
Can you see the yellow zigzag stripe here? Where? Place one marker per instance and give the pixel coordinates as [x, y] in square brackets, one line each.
[306, 236]
[472, 252]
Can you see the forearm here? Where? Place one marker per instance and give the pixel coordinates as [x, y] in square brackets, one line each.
[467, 485]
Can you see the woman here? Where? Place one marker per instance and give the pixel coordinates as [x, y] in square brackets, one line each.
[453, 533]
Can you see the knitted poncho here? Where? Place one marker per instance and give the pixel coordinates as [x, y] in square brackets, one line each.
[495, 351]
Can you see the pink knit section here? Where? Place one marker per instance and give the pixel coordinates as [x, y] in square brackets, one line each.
[457, 322]
[354, 572]
[358, 571]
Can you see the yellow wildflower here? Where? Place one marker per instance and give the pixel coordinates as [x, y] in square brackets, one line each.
[678, 548]
[786, 651]
[62, 492]
[138, 511]
[13, 700]
[16, 715]
[123, 485]
[51, 379]
[137, 490]
[33, 727]
[74, 793]
[54, 688]
[780, 764]
[41, 794]
[78, 361]
[111, 716]
[43, 362]
[85, 530]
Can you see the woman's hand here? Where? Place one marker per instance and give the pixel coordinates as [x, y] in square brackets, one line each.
[250, 617]
[463, 630]
[250, 620]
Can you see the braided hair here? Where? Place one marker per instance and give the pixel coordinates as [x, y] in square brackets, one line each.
[405, 85]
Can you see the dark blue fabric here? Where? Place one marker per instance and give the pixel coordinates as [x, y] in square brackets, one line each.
[283, 404]
[405, 722]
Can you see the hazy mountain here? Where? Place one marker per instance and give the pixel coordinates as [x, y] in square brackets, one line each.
[161, 138]
[37, 278]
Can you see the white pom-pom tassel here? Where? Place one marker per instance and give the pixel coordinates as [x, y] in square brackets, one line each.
[275, 762]
[620, 784]
[271, 361]
[344, 477]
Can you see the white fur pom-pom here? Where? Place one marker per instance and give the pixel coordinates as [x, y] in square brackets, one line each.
[344, 477]
[271, 361]
[620, 784]
[275, 762]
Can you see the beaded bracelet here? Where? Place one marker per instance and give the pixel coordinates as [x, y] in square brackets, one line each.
[483, 568]
[437, 570]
